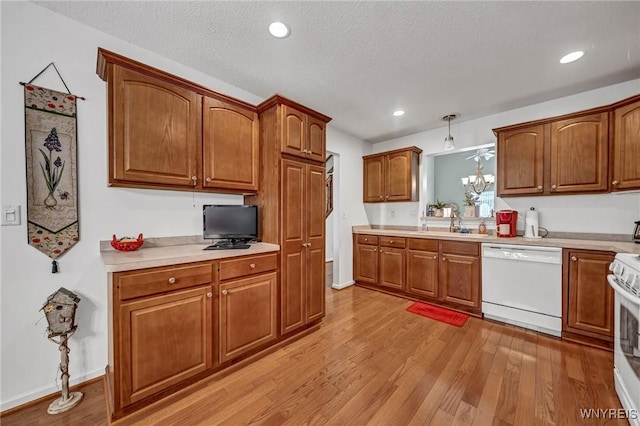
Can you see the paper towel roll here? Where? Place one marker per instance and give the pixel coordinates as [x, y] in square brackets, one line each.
[531, 224]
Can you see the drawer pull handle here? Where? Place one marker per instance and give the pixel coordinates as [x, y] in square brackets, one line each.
[172, 280]
[209, 294]
[615, 182]
[573, 258]
[252, 266]
[224, 292]
[208, 179]
[554, 186]
[539, 187]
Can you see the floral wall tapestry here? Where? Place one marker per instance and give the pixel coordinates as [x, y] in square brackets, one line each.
[52, 185]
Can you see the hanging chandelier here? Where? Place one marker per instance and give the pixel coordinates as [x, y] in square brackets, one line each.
[478, 183]
[449, 144]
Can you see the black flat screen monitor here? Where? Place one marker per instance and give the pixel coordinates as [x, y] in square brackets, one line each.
[230, 222]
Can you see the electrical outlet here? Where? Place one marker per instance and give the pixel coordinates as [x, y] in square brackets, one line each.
[392, 213]
[413, 213]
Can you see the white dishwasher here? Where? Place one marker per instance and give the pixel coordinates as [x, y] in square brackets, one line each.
[522, 285]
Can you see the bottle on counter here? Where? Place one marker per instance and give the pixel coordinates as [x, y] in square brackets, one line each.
[482, 228]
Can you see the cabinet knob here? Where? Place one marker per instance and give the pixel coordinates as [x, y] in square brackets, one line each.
[195, 180]
[554, 186]
[252, 266]
[209, 294]
[381, 251]
[435, 257]
[172, 280]
[308, 244]
[208, 179]
[375, 249]
[390, 241]
[444, 259]
[366, 239]
[539, 187]
[615, 182]
[381, 197]
[573, 258]
[224, 292]
[304, 244]
[387, 197]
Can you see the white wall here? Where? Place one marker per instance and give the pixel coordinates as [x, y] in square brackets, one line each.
[28, 361]
[597, 213]
[348, 205]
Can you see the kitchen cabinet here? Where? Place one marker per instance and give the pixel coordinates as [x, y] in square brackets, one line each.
[392, 175]
[248, 309]
[230, 146]
[168, 133]
[366, 259]
[165, 329]
[587, 297]
[304, 135]
[422, 267]
[291, 202]
[626, 147]
[441, 272]
[460, 273]
[561, 156]
[392, 262]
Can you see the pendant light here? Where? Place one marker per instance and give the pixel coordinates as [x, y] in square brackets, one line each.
[448, 141]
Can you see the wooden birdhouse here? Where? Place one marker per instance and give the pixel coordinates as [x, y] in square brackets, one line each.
[60, 310]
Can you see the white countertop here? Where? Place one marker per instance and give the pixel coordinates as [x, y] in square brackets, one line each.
[116, 261]
[613, 246]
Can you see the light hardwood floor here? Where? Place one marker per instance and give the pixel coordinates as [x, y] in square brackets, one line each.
[374, 363]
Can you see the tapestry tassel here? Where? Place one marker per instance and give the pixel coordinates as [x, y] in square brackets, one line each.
[54, 267]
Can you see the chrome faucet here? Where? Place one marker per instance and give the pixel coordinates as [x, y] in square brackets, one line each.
[453, 227]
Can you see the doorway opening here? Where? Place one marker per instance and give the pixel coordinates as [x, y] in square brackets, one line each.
[332, 215]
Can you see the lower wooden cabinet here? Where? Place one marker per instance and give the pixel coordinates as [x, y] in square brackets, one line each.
[248, 314]
[460, 273]
[442, 272]
[588, 300]
[165, 340]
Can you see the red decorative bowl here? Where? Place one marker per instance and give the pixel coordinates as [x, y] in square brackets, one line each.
[126, 243]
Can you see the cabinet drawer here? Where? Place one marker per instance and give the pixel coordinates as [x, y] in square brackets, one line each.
[422, 244]
[159, 280]
[393, 242]
[247, 266]
[368, 239]
[463, 248]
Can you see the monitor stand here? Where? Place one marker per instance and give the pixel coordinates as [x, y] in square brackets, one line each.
[228, 245]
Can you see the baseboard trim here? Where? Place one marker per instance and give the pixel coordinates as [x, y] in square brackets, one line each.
[30, 398]
[343, 285]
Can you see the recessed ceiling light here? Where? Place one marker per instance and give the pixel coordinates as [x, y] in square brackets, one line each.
[398, 113]
[278, 29]
[573, 56]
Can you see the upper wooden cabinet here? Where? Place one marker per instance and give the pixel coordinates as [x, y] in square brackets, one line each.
[586, 152]
[230, 146]
[303, 131]
[392, 175]
[168, 133]
[625, 164]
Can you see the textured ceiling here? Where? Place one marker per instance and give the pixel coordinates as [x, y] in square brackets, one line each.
[359, 61]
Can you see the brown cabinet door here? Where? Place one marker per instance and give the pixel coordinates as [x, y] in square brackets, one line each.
[154, 131]
[626, 148]
[422, 273]
[460, 279]
[520, 164]
[398, 176]
[374, 169]
[392, 267]
[293, 248]
[580, 154]
[293, 132]
[230, 146]
[590, 297]
[164, 340]
[248, 314]
[366, 267]
[316, 139]
[315, 228]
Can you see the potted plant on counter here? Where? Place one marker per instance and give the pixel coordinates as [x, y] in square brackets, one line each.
[470, 208]
[437, 207]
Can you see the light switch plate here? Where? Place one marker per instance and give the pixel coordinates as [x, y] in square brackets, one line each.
[10, 214]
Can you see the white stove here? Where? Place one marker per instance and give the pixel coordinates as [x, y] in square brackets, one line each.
[625, 280]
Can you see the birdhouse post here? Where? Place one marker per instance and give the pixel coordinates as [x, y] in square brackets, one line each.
[60, 311]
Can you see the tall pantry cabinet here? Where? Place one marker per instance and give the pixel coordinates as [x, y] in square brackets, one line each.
[291, 202]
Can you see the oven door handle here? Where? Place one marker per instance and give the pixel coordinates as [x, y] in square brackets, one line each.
[613, 282]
